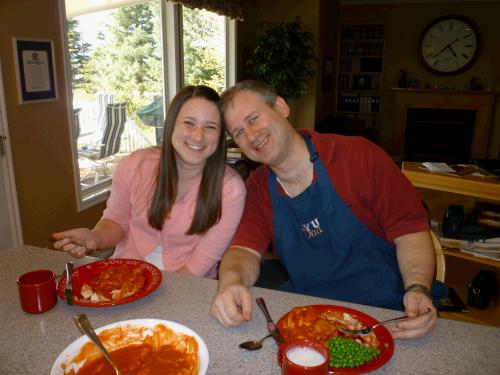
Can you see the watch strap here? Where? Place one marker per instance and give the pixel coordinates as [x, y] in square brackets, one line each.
[419, 288]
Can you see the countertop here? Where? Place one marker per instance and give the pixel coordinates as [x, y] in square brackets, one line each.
[31, 343]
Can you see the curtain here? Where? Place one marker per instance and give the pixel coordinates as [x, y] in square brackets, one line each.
[234, 9]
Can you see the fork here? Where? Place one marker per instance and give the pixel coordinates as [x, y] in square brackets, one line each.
[364, 331]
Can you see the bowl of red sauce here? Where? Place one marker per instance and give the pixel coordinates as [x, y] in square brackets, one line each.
[138, 345]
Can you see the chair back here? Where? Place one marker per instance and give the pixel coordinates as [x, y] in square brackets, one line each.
[103, 100]
[116, 116]
[440, 261]
[76, 121]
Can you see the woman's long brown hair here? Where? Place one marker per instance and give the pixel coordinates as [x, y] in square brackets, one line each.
[209, 201]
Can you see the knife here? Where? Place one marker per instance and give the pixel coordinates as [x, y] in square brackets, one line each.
[68, 289]
[271, 327]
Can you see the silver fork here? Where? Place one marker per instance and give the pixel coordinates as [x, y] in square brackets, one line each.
[364, 331]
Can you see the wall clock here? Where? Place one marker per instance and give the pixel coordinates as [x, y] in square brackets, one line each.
[449, 45]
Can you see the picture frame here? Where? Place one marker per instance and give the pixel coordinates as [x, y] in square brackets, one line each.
[35, 69]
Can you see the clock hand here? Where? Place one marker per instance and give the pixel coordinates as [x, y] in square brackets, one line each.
[453, 52]
[445, 48]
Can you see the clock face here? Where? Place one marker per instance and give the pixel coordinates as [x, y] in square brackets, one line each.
[449, 45]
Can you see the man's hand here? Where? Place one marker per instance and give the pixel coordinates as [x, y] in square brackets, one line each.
[239, 269]
[414, 302]
[232, 305]
[416, 259]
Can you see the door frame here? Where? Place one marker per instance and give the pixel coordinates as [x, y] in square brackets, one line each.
[8, 173]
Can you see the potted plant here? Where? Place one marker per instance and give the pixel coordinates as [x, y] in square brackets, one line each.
[282, 56]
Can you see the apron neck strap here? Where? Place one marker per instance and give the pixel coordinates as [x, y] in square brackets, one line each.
[313, 155]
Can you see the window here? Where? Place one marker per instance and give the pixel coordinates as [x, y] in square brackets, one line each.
[204, 48]
[124, 66]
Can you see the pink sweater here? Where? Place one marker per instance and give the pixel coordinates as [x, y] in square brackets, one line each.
[131, 192]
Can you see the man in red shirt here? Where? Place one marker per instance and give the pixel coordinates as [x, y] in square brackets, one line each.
[344, 221]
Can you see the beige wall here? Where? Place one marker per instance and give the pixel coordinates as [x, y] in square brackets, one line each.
[317, 17]
[404, 23]
[39, 132]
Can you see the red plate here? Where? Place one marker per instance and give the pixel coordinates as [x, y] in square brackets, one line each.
[84, 274]
[386, 342]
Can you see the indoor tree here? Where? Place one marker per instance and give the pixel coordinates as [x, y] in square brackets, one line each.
[282, 56]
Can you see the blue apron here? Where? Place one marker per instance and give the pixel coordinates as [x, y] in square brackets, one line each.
[327, 251]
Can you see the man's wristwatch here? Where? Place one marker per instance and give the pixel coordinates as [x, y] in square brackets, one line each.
[420, 288]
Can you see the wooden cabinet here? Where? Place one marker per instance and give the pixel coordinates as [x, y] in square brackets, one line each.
[359, 73]
[460, 267]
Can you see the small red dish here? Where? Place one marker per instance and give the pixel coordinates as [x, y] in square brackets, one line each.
[386, 341]
[84, 274]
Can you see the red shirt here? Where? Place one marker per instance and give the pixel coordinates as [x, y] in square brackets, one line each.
[365, 178]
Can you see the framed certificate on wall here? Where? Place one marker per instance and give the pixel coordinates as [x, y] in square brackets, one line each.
[35, 69]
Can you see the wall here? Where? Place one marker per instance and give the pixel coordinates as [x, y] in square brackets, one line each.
[404, 23]
[39, 132]
[316, 16]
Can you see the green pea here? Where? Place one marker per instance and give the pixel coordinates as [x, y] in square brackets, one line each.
[348, 353]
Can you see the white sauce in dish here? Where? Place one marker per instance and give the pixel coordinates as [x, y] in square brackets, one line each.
[305, 356]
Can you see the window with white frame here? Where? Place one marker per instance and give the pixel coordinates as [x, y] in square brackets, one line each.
[125, 62]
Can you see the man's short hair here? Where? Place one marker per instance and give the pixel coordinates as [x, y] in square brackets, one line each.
[265, 92]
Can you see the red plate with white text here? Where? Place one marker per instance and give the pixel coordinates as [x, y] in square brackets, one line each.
[84, 274]
[386, 345]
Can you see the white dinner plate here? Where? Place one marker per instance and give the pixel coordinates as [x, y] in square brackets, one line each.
[74, 348]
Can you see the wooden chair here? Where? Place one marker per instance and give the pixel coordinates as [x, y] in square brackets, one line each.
[440, 260]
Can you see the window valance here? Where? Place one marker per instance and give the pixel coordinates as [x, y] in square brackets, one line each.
[234, 9]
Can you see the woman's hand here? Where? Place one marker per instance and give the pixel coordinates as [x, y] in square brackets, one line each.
[77, 242]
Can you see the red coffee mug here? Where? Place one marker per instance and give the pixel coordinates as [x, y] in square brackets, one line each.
[304, 357]
[37, 291]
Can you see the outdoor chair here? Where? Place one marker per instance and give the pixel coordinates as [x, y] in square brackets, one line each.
[103, 100]
[115, 118]
[76, 121]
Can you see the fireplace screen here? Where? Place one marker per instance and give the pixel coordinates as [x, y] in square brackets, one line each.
[443, 135]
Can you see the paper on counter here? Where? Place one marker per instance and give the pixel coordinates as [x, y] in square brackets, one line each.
[438, 167]
[482, 254]
[480, 248]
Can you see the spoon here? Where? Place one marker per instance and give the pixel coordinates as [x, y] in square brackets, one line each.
[364, 331]
[84, 325]
[253, 344]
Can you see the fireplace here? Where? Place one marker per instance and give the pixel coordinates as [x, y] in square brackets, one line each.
[434, 134]
[437, 125]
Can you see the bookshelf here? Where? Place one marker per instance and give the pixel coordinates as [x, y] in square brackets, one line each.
[461, 267]
[359, 73]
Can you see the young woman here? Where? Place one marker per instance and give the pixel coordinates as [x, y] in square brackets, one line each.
[176, 206]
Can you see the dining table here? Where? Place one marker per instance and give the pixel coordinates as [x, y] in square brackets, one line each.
[30, 343]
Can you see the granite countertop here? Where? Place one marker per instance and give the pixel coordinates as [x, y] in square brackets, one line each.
[31, 343]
